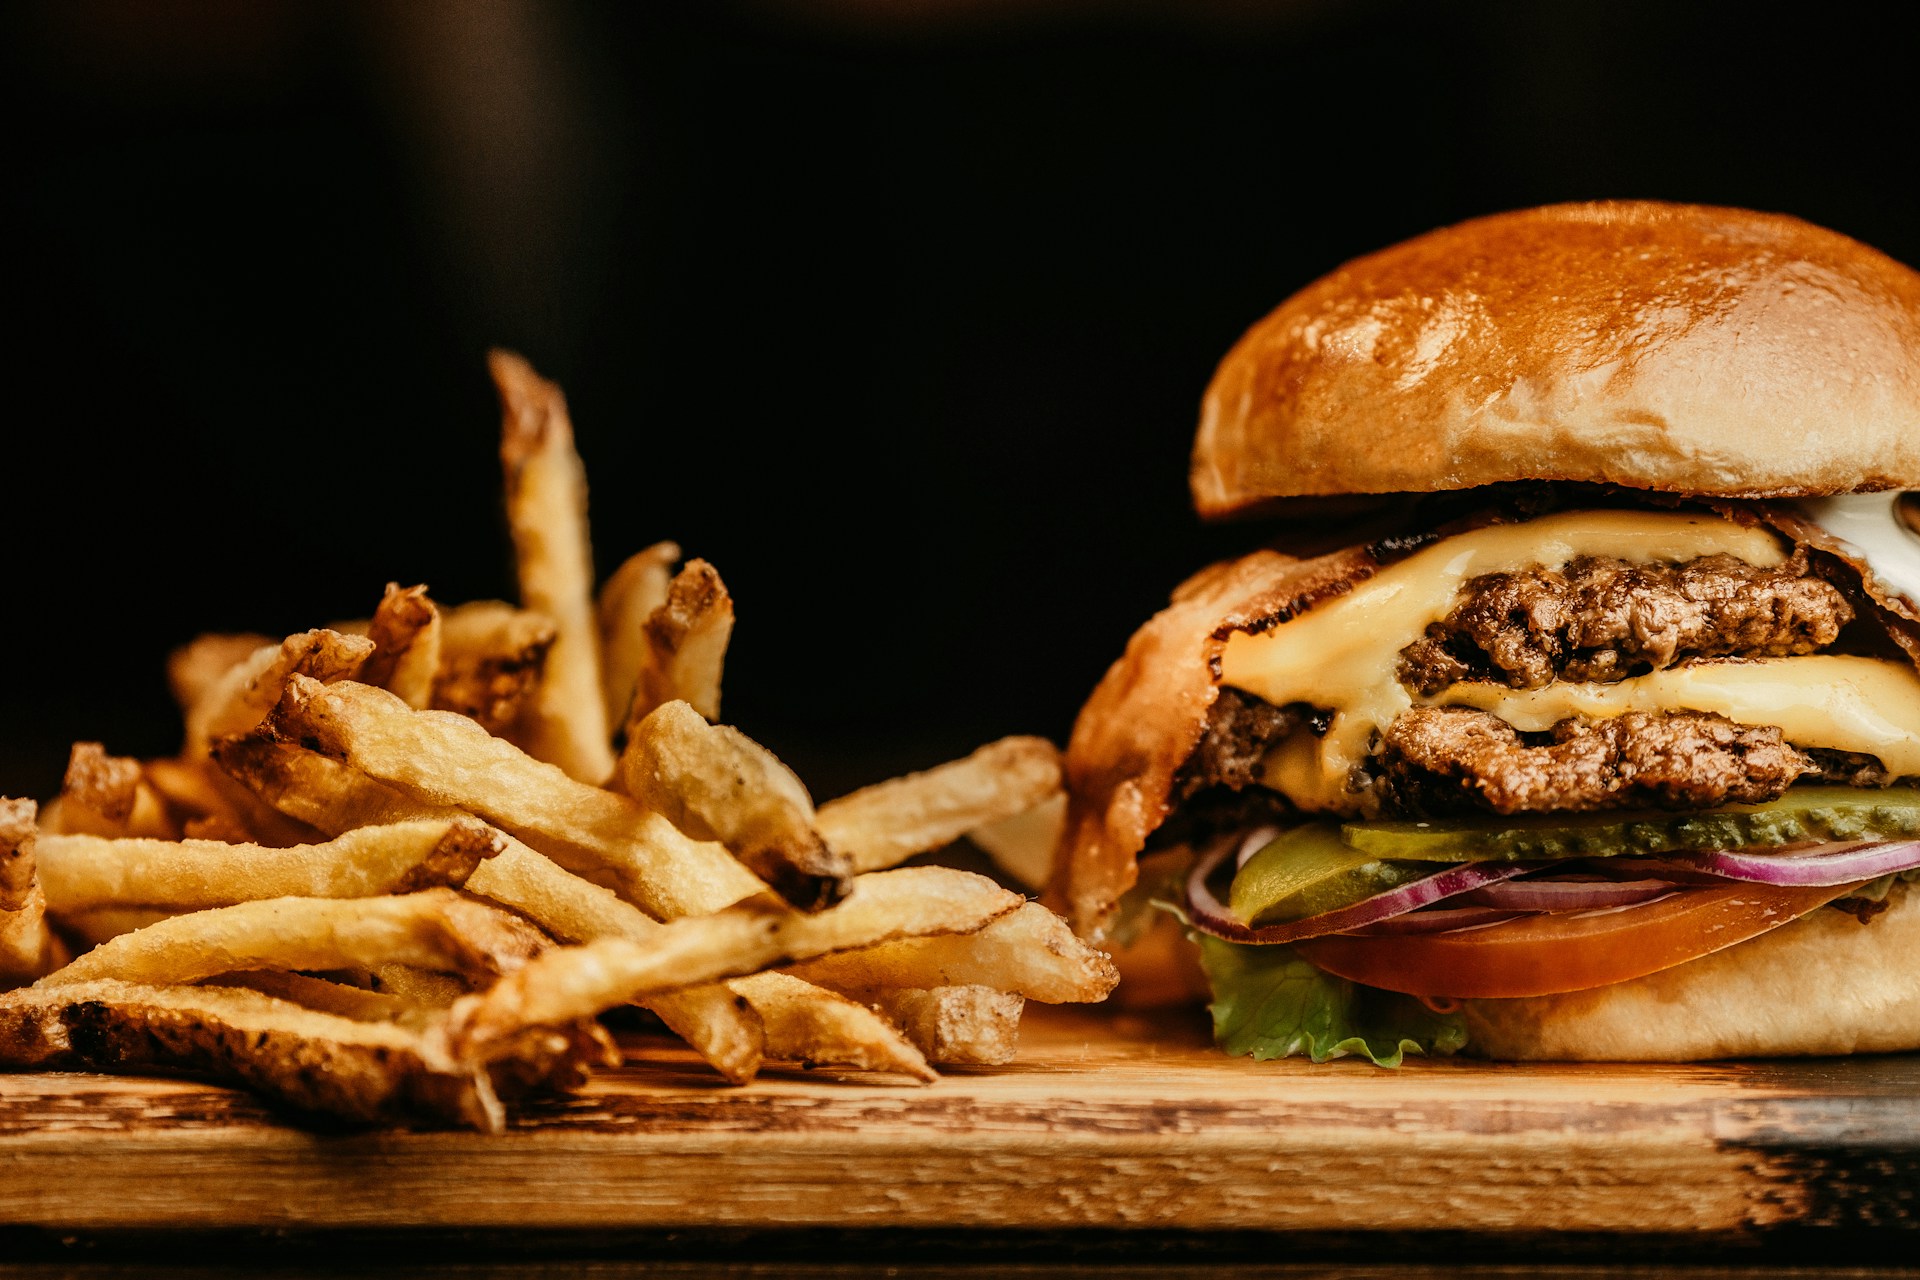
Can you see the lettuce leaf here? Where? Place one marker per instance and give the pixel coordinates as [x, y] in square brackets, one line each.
[1269, 1003]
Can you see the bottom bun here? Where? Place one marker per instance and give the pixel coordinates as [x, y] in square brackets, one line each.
[1825, 984]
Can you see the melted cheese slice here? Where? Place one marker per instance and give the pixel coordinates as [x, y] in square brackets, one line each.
[1824, 700]
[1342, 654]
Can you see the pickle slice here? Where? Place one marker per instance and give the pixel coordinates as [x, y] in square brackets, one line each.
[1805, 813]
[1308, 871]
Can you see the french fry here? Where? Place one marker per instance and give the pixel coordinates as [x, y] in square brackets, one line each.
[719, 1026]
[80, 873]
[241, 698]
[103, 924]
[579, 982]
[422, 987]
[491, 657]
[195, 667]
[27, 947]
[323, 996]
[1031, 952]
[885, 824]
[17, 864]
[1023, 845]
[215, 807]
[715, 783]
[971, 1026]
[628, 599]
[434, 929]
[107, 795]
[406, 645]
[547, 514]
[686, 645]
[447, 759]
[367, 1072]
[804, 1027]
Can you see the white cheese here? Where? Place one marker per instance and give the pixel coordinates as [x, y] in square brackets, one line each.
[1870, 524]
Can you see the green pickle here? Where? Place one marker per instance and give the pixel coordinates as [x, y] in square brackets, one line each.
[1310, 870]
[1803, 814]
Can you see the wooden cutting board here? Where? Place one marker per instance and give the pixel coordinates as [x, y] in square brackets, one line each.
[1106, 1122]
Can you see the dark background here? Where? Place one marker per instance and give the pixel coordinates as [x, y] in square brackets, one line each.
[897, 310]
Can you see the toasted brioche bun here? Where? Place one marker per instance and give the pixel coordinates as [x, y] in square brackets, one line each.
[1824, 984]
[1669, 347]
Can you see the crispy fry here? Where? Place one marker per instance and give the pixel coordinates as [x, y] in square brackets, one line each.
[369, 1072]
[80, 873]
[215, 807]
[242, 697]
[103, 924]
[195, 667]
[885, 824]
[628, 599]
[722, 1028]
[973, 1026]
[323, 996]
[17, 864]
[27, 947]
[423, 987]
[107, 795]
[715, 783]
[577, 982]
[433, 929]
[1031, 952]
[1023, 845]
[547, 513]
[491, 657]
[816, 1028]
[446, 759]
[406, 645]
[686, 645]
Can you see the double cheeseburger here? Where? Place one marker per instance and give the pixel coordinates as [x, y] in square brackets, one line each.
[1574, 713]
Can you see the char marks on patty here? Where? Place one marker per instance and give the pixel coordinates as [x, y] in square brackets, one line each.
[1438, 760]
[1603, 619]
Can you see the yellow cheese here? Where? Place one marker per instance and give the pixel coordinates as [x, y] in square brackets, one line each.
[1342, 654]
[1825, 700]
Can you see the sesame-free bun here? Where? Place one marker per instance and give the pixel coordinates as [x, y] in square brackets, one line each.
[1825, 984]
[1670, 347]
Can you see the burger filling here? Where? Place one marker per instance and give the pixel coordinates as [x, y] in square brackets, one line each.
[1543, 757]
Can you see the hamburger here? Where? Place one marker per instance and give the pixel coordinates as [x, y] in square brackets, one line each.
[1571, 711]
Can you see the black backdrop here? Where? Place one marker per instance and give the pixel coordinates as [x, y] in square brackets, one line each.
[898, 313]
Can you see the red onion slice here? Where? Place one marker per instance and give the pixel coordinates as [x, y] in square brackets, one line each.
[1210, 915]
[1567, 895]
[1437, 920]
[1255, 840]
[1826, 864]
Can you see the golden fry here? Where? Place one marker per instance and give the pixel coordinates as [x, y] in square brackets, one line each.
[491, 657]
[406, 645]
[1023, 845]
[81, 873]
[686, 645]
[103, 924]
[322, 996]
[195, 667]
[321, 790]
[715, 783]
[241, 699]
[577, 982]
[1031, 952]
[447, 759]
[885, 824]
[27, 947]
[17, 864]
[547, 513]
[368, 1072]
[107, 795]
[433, 929]
[628, 599]
[971, 1026]
[817, 1028]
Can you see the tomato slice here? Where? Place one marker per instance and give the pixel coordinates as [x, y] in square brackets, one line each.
[1569, 951]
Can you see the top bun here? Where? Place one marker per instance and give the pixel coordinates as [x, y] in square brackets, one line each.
[1670, 347]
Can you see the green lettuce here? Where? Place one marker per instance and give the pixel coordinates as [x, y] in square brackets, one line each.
[1269, 1003]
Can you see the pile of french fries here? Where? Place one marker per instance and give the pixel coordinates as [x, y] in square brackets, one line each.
[401, 867]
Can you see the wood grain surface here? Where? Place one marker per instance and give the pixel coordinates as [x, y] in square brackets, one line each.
[1101, 1123]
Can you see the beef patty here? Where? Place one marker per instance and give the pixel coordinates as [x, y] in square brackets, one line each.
[1448, 759]
[1601, 619]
